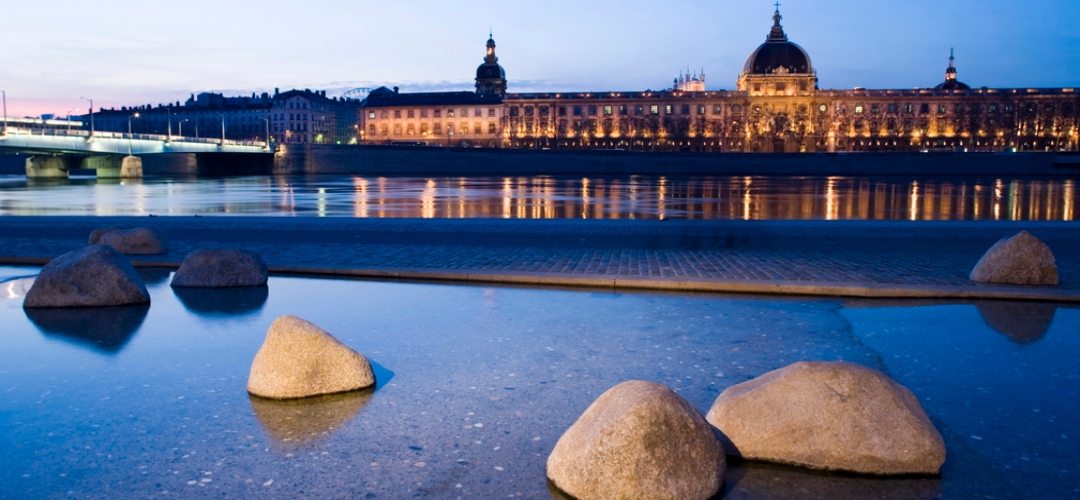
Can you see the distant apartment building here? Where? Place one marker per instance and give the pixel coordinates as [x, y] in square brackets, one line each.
[306, 116]
[206, 115]
[295, 116]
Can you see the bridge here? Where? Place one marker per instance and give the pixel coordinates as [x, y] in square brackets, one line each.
[111, 154]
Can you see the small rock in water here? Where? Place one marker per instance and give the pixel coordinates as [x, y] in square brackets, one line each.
[95, 276]
[299, 359]
[221, 268]
[138, 241]
[1018, 260]
[638, 440]
[829, 415]
[95, 235]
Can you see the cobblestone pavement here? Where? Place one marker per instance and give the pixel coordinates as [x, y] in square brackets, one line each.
[820, 252]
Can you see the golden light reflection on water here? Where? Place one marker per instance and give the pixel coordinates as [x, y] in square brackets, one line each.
[999, 188]
[361, 206]
[427, 200]
[913, 211]
[629, 197]
[747, 197]
[1069, 198]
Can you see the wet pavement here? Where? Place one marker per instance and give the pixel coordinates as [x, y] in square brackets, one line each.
[915, 259]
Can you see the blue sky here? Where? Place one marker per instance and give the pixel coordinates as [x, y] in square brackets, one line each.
[123, 52]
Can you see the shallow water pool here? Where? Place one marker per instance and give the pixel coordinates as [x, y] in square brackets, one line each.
[476, 384]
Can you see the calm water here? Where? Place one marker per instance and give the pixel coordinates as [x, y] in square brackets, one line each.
[725, 198]
[477, 383]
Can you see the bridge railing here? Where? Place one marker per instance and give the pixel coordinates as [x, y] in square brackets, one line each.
[63, 132]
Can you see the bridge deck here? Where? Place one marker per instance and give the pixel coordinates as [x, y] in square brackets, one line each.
[59, 141]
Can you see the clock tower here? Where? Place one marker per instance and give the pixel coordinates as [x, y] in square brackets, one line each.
[490, 77]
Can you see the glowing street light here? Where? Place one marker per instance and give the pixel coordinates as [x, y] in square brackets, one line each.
[222, 115]
[181, 124]
[70, 111]
[91, 114]
[267, 120]
[134, 116]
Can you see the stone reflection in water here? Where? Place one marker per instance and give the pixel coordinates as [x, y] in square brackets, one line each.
[223, 301]
[296, 423]
[1022, 322]
[756, 480]
[103, 329]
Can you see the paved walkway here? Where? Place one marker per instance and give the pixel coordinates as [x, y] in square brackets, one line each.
[867, 259]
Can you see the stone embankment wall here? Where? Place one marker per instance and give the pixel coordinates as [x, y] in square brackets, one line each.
[405, 160]
[171, 164]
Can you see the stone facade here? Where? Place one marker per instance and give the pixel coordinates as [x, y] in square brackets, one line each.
[776, 107]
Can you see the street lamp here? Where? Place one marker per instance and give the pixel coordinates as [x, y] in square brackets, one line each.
[91, 114]
[267, 120]
[70, 111]
[4, 92]
[134, 116]
[222, 115]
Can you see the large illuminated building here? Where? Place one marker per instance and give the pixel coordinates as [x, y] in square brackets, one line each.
[776, 107]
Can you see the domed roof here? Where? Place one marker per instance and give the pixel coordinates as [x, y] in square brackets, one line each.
[953, 85]
[778, 55]
[493, 70]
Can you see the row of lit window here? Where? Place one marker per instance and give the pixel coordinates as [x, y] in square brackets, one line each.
[926, 108]
[782, 87]
[436, 129]
[435, 113]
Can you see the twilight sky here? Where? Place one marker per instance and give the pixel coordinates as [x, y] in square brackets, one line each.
[130, 52]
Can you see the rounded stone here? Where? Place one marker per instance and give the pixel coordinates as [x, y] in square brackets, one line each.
[1021, 259]
[137, 241]
[95, 235]
[221, 268]
[299, 360]
[95, 276]
[639, 440]
[832, 416]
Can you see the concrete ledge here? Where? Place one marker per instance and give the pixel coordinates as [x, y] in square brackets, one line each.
[755, 287]
[814, 289]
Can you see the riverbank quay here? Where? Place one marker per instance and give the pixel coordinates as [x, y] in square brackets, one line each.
[316, 159]
[325, 159]
[871, 259]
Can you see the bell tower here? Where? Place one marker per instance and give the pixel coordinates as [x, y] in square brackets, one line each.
[490, 77]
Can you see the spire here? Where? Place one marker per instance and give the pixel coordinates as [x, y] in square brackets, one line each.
[490, 57]
[777, 33]
[950, 73]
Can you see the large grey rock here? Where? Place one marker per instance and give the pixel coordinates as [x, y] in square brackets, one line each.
[829, 415]
[638, 440]
[137, 241]
[95, 235]
[1018, 260]
[94, 276]
[299, 359]
[221, 268]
